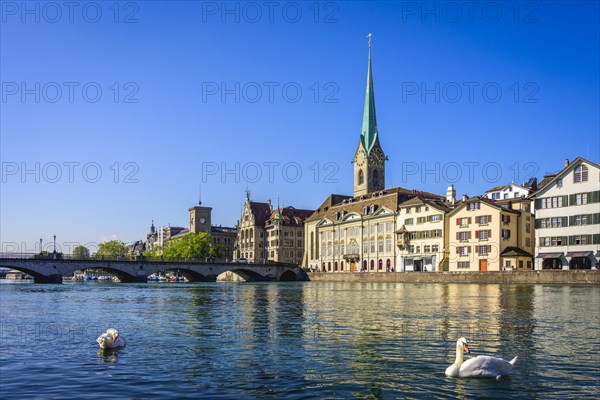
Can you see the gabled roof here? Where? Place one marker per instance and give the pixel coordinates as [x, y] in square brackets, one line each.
[512, 251]
[441, 205]
[498, 204]
[550, 179]
[389, 198]
[261, 212]
[290, 216]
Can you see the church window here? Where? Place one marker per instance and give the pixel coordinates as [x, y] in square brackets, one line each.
[375, 178]
[361, 177]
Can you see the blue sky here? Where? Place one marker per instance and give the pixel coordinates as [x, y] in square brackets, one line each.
[113, 114]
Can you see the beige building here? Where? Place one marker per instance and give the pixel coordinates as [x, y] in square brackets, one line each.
[349, 234]
[486, 235]
[252, 238]
[568, 217]
[285, 235]
[421, 241]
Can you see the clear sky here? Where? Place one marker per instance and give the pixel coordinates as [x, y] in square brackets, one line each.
[113, 114]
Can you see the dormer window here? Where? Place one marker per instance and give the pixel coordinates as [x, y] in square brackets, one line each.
[365, 210]
[373, 208]
[581, 174]
[473, 206]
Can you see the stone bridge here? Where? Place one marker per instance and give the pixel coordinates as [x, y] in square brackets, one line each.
[51, 270]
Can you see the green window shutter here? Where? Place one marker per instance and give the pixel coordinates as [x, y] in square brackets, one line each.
[596, 238]
[565, 201]
[571, 240]
[596, 218]
[571, 220]
[538, 223]
[594, 197]
[572, 200]
[538, 203]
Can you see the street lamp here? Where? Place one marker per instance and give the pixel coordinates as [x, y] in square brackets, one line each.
[41, 248]
[55, 244]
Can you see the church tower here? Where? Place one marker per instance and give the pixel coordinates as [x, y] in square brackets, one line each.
[369, 160]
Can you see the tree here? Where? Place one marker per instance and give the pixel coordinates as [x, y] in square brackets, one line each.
[191, 246]
[81, 252]
[112, 249]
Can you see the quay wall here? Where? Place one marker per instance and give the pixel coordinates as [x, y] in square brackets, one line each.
[583, 277]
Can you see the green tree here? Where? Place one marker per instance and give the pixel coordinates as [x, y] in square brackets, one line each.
[81, 252]
[112, 249]
[191, 246]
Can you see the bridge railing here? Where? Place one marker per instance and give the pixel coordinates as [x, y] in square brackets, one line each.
[71, 257]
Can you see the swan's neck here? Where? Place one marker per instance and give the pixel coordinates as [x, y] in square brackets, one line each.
[459, 356]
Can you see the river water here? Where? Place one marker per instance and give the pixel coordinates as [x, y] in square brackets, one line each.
[296, 340]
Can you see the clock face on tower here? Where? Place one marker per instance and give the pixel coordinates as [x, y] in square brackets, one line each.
[202, 221]
[377, 157]
[360, 158]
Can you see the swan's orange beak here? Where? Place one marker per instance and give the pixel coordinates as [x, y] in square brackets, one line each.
[466, 348]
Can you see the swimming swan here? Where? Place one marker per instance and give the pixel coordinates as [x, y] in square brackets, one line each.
[111, 339]
[478, 367]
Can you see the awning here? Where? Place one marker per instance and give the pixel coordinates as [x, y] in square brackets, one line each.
[549, 255]
[574, 254]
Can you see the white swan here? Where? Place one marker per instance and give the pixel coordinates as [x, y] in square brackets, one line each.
[478, 367]
[111, 339]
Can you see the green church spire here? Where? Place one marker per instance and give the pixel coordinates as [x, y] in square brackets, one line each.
[368, 135]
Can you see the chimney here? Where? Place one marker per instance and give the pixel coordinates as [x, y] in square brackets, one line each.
[270, 206]
[464, 197]
[566, 162]
[451, 194]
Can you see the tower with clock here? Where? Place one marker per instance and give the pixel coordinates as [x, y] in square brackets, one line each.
[200, 219]
[369, 160]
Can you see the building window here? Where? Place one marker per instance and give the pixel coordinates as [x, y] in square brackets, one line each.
[483, 250]
[527, 242]
[380, 264]
[361, 177]
[408, 221]
[473, 206]
[380, 245]
[388, 245]
[435, 248]
[418, 209]
[506, 219]
[463, 236]
[463, 265]
[436, 217]
[582, 239]
[379, 228]
[484, 234]
[559, 183]
[365, 247]
[408, 210]
[581, 198]
[373, 246]
[581, 174]
[375, 178]
[505, 234]
[421, 220]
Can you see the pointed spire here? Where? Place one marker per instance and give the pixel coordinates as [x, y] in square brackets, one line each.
[199, 194]
[368, 134]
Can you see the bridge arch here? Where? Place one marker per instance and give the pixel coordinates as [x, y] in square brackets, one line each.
[190, 274]
[121, 275]
[240, 275]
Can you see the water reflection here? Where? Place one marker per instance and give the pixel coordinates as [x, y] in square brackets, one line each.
[301, 340]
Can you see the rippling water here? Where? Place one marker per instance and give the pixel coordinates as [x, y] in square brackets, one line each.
[295, 340]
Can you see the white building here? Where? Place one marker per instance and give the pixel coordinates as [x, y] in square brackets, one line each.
[568, 218]
[511, 191]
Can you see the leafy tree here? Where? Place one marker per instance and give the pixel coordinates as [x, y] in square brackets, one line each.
[191, 246]
[81, 252]
[112, 249]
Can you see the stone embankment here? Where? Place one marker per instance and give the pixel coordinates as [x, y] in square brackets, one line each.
[583, 277]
